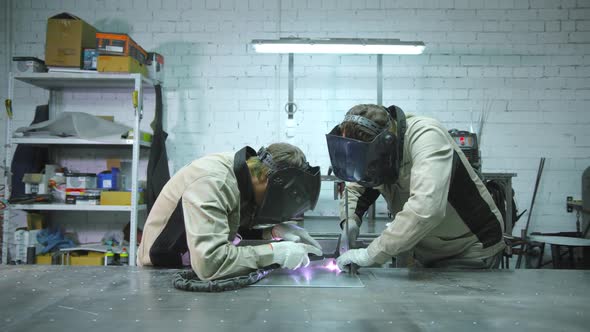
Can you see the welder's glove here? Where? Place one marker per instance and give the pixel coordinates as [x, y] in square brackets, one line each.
[290, 232]
[359, 257]
[291, 255]
[353, 230]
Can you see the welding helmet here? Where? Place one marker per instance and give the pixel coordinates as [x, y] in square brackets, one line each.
[290, 190]
[371, 163]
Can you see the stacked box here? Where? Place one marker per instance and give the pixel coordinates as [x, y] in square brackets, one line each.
[67, 36]
[119, 198]
[120, 44]
[90, 58]
[120, 64]
[89, 258]
[79, 189]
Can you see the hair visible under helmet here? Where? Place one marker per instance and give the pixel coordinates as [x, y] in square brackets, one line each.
[375, 113]
[283, 155]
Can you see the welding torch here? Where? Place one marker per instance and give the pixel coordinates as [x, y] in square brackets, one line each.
[344, 242]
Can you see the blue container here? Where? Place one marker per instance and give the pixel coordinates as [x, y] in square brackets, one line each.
[109, 179]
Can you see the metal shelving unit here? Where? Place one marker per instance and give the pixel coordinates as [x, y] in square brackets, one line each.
[65, 80]
[73, 207]
[54, 83]
[73, 141]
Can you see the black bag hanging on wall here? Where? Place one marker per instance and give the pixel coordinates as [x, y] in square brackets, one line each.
[28, 158]
[157, 169]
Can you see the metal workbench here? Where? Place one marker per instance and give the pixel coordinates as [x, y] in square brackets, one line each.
[58, 298]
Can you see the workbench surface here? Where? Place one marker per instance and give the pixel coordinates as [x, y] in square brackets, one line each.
[67, 298]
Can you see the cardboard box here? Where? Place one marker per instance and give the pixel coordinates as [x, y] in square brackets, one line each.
[113, 163]
[35, 220]
[120, 44]
[27, 64]
[120, 64]
[35, 183]
[88, 258]
[83, 197]
[66, 37]
[44, 259]
[80, 182]
[118, 198]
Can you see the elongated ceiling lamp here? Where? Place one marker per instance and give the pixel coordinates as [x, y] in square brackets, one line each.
[338, 46]
[378, 47]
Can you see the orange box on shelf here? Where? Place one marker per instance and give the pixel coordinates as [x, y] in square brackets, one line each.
[120, 44]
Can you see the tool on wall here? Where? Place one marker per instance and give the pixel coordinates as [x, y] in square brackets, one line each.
[8, 105]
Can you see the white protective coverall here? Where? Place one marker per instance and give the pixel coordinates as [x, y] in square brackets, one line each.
[441, 221]
[209, 191]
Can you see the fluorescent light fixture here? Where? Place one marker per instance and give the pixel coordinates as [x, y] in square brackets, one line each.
[338, 46]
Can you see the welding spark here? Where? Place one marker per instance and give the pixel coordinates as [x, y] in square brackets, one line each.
[332, 266]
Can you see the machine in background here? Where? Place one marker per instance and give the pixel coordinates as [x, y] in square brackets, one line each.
[468, 143]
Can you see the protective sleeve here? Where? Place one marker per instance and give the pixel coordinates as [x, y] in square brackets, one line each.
[359, 200]
[207, 203]
[432, 161]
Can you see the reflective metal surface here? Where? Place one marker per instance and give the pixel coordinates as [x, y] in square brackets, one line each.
[323, 273]
[331, 225]
[561, 240]
[55, 298]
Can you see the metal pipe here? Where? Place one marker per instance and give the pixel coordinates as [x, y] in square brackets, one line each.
[525, 231]
[8, 32]
[138, 106]
[7, 132]
[372, 208]
[7, 170]
[379, 79]
[290, 103]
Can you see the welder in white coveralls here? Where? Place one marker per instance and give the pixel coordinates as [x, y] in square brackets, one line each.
[207, 203]
[442, 211]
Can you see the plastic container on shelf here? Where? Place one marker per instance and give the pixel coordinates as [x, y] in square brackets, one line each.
[124, 257]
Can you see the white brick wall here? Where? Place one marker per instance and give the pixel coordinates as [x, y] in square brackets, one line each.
[529, 58]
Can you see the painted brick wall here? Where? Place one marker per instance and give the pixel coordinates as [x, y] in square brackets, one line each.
[527, 60]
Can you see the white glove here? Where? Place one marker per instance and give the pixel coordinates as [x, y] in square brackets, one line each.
[290, 232]
[291, 255]
[359, 257]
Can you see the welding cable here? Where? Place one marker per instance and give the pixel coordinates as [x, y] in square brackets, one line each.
[188, 280]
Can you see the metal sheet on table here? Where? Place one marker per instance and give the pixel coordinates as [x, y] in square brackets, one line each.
[124, 298]
[319, 274]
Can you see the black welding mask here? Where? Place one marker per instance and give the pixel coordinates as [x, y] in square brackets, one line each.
[290, 191]
[372, 163]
